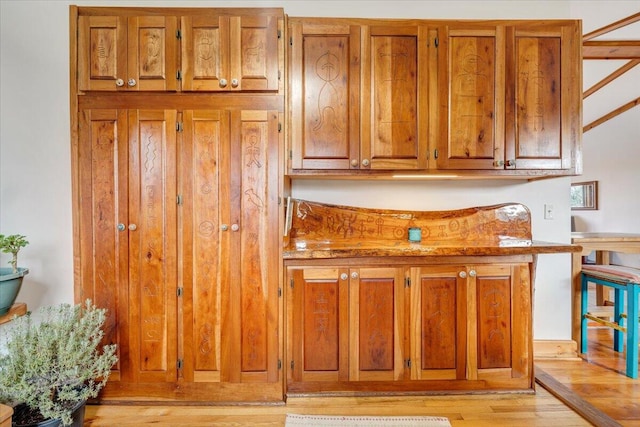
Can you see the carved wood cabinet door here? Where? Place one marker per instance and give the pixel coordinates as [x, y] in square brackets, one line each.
[471, 98]
[229, 270]
[499, 307]
[119, 53]
[324, 85]
[127, 219]
[346, 324]
[543, 98]
[230, 53]
[438, 323]
[395, 97]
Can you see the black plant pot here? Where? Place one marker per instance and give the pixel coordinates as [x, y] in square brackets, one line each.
[21, 412]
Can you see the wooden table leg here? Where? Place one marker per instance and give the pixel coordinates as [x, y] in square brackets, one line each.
[576, 294]
[603, 294]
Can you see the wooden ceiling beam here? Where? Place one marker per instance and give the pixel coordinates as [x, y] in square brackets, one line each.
[612, 114]
[611, 49]
[613, 26]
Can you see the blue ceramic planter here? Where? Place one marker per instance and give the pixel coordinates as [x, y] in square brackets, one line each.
[10, 284]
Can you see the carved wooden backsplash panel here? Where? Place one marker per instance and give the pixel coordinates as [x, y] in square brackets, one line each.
[332, 224]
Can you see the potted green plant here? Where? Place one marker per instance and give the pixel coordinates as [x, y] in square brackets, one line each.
[11, 278]
[53, 362]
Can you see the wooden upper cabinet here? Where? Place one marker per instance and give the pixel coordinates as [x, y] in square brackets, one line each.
[471, 98]
[230, 53]
[324, 84]
[509, 97]
[543, 96]
[394, 97]
[120, 53]
[358, 95]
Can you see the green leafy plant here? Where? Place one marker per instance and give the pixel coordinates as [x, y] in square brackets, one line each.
[11, 245]
[53, 360]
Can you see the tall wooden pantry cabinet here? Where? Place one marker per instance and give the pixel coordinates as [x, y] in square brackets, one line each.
[177, 188]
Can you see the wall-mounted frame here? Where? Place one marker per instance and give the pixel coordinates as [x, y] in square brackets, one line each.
[584, 195]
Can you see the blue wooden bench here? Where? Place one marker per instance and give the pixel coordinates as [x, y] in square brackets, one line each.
[624, 280]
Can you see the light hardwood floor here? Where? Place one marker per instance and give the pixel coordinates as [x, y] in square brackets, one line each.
[600, 381]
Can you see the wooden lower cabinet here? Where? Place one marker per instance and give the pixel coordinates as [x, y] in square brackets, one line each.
[178, 239]
[431, 328]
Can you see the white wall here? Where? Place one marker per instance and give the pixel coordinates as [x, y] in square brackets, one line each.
[612, 150]
[35, 185]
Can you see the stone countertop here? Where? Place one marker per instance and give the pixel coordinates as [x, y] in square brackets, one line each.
[318, 250]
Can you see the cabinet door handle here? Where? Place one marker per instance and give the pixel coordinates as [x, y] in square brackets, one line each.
[224, 227]
[472, 273]
[234, 82]
[119, 82]
[235, 227]
[133, 227]
[463, 274]
[121, 227]
[344, 276]
[223, 82]
[354, 275]
[354, 163]
[365, 163]
[132, 82]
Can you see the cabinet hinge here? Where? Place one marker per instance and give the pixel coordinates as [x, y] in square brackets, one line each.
[279, 127]
[435, 42]
[292, 365]
[291, 283]
[290, 154]
[435, 153]
[179, 127]
[179, 199]
[279, 364]
[179, 364]
[279, 34]
[407, 282]
[279, 292]
[290, 41]
[279, 75]
[407, 363]
[178, 34]
[179, 291]
[178, 75]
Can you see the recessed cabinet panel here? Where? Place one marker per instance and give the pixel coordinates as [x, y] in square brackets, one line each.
[321, 345]
[438, 322]
[376, 317]
[326, 101]
[538, 101]
[394, 85]
[494, 322]
[472, 88]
